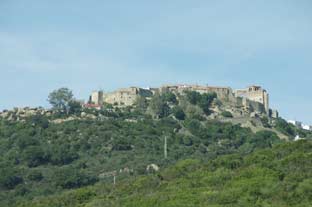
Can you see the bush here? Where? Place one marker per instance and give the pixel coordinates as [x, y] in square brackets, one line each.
[178, 113]
[39, 120]
[227, 114]
[63, 155]
[159, 107]
[9, 177]
[169, 97]
[263, 139]
[265, 122]
[121, 144]
[202, 100]
[35, 175]
[206, 100]
[35, 156]
[74, 107]
[285, 127]
[193, 97]
[69, 177]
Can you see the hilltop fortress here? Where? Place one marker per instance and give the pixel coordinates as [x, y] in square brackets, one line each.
[252, 98]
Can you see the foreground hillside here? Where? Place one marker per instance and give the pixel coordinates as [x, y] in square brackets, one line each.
[39, 159]
[277, 177]
[68, 157]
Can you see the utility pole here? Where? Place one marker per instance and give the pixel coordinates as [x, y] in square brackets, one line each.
[165, 147]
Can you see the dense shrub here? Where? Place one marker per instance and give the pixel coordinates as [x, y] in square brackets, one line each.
[69, 177]
[285, 127]
[35, 175]
[9, 177]
[35, 155]
[202, 100]
[178, 113]
[227, 114]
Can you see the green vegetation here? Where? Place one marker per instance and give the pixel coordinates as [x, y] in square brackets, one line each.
[202, 100]
[227, 114]
[291, 130]
[285, 127]
[265, 122]
[178, 113]
[278, 176]
[60, 99]
[39, 159]
[45, 163]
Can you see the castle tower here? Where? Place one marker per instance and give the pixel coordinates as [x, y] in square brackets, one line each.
[255, 93]
[266, 101]
[97, 97]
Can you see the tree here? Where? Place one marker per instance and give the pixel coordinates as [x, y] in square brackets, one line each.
[206, 100]
[39, 120]
[169, 97]
[62, 155]
[227, 114]
[9, 177]
[193, 97]
[69, 177]
[141, 103]
[35, 156]
[263, 139]
[35, 175]
[285, 127]
[202, 100]
[74, 107]
[178, 113]
[60, 99]
[159, 107]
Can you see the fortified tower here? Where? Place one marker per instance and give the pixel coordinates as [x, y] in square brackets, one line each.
[255, 93]
[96, 97]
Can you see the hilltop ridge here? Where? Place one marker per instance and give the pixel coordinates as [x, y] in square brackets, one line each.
[250, 98]
[248, 107]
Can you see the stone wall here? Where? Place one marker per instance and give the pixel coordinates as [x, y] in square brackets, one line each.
[223, 93]
[253, 98]
[256, 94]
[125, 96]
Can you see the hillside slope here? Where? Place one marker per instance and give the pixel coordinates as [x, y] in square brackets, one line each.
[277, 177]
[50, 154]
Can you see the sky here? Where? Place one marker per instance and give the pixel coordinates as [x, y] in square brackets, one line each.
[87, 45]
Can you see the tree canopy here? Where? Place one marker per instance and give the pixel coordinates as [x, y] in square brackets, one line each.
[60, 99]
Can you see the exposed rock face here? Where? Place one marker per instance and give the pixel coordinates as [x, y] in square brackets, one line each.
[19, 114]
[152, 168]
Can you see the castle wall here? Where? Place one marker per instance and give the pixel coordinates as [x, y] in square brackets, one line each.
[253, 98]
[126, 96]
[256, 94]
[222, 92]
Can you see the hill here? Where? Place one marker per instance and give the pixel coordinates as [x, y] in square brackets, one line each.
[277, 177]
[47, 154]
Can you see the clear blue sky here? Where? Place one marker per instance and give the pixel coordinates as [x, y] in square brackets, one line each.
[93, 44]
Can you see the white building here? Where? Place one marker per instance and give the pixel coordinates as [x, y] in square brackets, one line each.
[296, 123]
[300, 125]
[306, 127]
